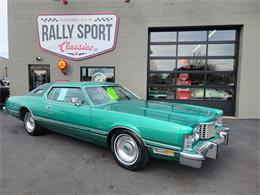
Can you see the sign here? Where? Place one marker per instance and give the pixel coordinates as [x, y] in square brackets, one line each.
[78, 36]
[183, 93]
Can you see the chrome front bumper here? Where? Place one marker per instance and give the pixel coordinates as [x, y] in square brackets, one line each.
[210, 149]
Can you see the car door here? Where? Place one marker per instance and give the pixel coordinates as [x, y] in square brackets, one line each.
[66, 117]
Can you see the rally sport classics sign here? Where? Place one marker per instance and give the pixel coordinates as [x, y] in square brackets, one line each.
[78, 36]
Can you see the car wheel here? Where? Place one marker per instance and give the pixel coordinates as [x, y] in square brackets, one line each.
[129, 150]
[30, 125]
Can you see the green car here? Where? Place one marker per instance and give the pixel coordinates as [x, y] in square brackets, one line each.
[133, 129]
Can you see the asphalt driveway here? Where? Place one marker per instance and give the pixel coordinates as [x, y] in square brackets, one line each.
[56, 164]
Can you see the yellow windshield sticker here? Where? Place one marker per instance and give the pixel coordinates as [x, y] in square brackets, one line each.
[112, 93]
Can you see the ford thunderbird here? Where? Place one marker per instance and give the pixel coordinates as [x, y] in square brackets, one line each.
[133, 129]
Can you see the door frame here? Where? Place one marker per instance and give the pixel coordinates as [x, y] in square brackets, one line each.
[37, 65]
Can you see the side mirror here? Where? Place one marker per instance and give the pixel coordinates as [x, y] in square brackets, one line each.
[75, 101]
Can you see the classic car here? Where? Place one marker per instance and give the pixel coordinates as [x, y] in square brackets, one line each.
[133, 129]
[211, 94]
[4, 93]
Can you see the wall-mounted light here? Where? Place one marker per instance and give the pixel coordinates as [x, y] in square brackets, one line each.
[63, 66]
[38, 58]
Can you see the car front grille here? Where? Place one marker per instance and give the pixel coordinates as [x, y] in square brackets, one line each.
[207, 130]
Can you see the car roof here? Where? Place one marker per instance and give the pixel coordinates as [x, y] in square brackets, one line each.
[81, 84]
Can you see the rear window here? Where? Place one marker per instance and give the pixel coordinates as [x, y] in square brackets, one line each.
[39, 91]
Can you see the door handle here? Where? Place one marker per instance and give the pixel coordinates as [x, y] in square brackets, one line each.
[48, 106]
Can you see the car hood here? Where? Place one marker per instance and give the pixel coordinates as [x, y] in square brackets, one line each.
[182, 114]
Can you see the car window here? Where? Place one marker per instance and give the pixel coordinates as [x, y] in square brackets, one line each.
[39, 91]
[65, 94]
[1, 83]
[109, 94]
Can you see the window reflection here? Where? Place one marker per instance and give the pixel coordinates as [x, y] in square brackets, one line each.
[219, 94]
[162, 65]
[163, 36]
[190, 79]
[192, 50]
[197, 93]
[221, 64]
[191, 64]
[193, 36]
[161, 78]
[163, 50]
[87, 73]
[197, 72]
[222, 35]
[189, 93]
[221, 49]
[161, 93]
[220, 79]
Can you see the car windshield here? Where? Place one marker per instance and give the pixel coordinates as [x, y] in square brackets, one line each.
[109, 94]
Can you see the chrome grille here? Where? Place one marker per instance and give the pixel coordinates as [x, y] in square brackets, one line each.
[207, 130]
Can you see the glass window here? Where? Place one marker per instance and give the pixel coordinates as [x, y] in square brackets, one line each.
[191, 64]
[192, 50]
[193, 36]
[186, 93]
[220, 79]
[161, 93]
[222, 35]
[39, 91]
[62, 94]
[163, 50]
[221, 64]
[167, 78]
[197, 93]
[108, 94]
[163, 36]
[219, 94]
[197, 67]
[98, 74]
[190, 79]
[221, 49]
[162, 65]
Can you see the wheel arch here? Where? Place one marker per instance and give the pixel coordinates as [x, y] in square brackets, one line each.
[120, 128]
[23, 111]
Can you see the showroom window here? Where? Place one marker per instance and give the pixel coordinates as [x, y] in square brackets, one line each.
[97, 74]
[193, 64]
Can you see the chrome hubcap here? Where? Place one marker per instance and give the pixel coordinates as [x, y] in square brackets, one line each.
[29, 122]
[126, 149]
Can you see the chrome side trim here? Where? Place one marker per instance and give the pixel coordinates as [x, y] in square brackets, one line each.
[12, 111]
[161, 145]
[79, 127]
[149, 143]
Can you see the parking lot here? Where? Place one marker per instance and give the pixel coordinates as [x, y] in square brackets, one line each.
[56, 164]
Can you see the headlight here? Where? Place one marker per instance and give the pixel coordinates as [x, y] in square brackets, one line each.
[189, 139]
[219, 120]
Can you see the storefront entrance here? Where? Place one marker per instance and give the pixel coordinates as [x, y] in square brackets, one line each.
[38, 75]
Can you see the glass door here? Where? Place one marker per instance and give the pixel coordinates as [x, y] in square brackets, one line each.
[38, 75]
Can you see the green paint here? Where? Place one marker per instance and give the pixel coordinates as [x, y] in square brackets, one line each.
[159, 124]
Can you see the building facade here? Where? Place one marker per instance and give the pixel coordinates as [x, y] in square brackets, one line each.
[199, 52]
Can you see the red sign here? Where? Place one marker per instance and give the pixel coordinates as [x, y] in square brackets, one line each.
[183, 93]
